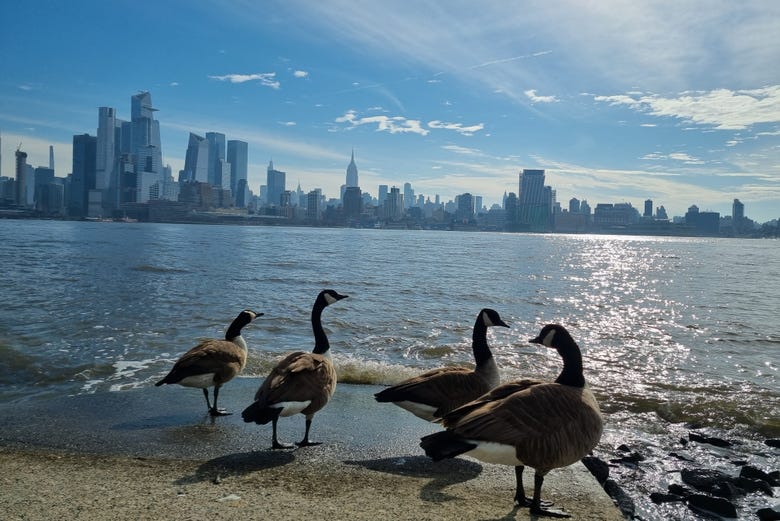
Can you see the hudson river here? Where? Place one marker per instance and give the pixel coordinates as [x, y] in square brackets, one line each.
[675, 332]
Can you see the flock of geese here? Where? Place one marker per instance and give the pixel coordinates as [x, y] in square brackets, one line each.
[528, 422]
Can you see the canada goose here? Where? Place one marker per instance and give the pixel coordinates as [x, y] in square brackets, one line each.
[213, 362]
[301, 382]
[544, 425]
[433, 394]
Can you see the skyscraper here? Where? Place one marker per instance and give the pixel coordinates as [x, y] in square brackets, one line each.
[216, 153]
[105, 164]
[275, 182]
[145, 136]
[196, 160]
[648, 208]
[237, 156]
[352, 172]
[382, 195]
[408, 195]
[21, 176]
[83, 175]
[51, 157]
[535, 202]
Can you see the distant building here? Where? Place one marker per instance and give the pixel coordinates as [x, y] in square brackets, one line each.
[408, 199]
[352, 172]
[574, 205]
[275, 182]
[704, 223]
[216, 158]
[394, 205]
[238, 157]
[21, 177]
[535, 202]
[83, 174]
[648, 208]
[314, 205]
[196, 160]
[465, 207]
[738, 216]
[353, 203]
[382, 195]
[618, 215]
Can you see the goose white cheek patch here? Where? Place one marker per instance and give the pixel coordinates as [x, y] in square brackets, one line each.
[548, 340]
[330, 299]
[486, 319]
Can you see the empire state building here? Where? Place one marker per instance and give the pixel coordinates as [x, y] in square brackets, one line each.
[352, 172]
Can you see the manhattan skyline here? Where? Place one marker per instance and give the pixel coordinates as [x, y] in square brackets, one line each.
[678, 102]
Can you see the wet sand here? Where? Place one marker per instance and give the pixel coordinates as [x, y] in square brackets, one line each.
[154, 454]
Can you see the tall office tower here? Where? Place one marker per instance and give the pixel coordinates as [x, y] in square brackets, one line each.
[738, 215]
[196, 159]
[535, 204]
[43, 177]
[21, 176]
[237, 156]
[352, 172]
[1, 154]
[216, 154]
[145, 136]
[353, 202]
[382, 195]
[105, 164]
[574, 205]
[51, 157]
[408, 195]
[648, 208]
[83, 174]
[465, 207]
[275, 181]
[477, 203]
[314, 205]
[394, 204]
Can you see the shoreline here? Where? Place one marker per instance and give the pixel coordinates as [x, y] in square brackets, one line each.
[151, 453]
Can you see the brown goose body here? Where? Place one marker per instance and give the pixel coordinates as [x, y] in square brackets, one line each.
[434, 393]
[544, 425]
[213, 362]
[300, 383]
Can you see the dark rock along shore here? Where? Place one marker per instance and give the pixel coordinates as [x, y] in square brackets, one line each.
[701, 475]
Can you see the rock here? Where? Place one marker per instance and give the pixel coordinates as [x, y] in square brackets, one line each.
[660, 497]
[718, 442]
[707, 480]
[773, 443]
[679, 490]
[727, 490]
[679, 456]
[754, 485]
[624, 448]
[768, 514]
[632, 459]
[712, 505]
[623, 500]
[748, 471]
[597, 467]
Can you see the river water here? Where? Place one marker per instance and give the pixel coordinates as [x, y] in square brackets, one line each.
[674, 331]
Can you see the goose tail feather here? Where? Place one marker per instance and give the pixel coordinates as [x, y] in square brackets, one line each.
[444, 444]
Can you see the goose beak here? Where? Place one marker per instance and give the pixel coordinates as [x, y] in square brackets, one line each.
[501, 323]
[537, 340]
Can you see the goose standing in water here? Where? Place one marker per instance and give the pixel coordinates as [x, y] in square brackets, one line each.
[433, 394]
[301, 382]
[544, 425]
[213, 362]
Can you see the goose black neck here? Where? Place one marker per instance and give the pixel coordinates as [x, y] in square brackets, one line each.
[234, 330]
[572, 365]
[479, 343]
[321, 344]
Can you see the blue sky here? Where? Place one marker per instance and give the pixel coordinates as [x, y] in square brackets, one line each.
[618, 101]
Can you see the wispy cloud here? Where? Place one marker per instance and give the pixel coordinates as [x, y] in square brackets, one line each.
[457, 127]
[393, 125]
[722, 109]
[463, 150]
[301, 74]
[531, 93]
[267, 79]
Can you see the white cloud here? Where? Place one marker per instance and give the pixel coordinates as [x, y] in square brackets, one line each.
[722, 109]
[393, 125]
[531, 93]
[457, 127]
[266, 79]
[301, 74]
[173, 84]
[463, 150]
[287, 123]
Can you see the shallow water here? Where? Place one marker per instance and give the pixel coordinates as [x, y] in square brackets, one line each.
[673, 330]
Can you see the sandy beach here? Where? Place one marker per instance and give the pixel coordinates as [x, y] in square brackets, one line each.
[119, 456]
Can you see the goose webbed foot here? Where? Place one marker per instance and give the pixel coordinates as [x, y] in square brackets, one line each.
[276, 445]
[219, 412]
[307, 443]
[538, 510]
[523, 501]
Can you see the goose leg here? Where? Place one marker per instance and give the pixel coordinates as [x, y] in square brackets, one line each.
[521, 499]
[536, 503]
[275, 441]
[214, 411]
[206, 395]
[305, 441]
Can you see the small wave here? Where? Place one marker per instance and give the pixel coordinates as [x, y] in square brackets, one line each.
[157, 269]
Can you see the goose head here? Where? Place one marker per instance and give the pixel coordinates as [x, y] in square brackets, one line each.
[490, 318]
[555, 336]
[329, 296]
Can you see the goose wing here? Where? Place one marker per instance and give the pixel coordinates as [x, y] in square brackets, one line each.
[298, 377]
[445, 388]
[499, 393]
[224, 359]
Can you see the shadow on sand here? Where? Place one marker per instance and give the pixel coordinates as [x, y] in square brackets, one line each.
[442, 474]
[237, 465]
